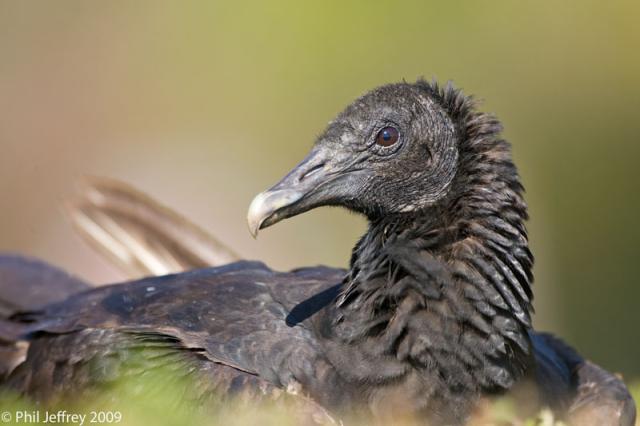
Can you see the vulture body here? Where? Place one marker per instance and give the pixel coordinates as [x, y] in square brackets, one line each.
[432, 316]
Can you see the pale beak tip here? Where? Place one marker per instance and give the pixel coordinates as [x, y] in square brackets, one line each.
[253, 231]
[256, 214]
[265, 205]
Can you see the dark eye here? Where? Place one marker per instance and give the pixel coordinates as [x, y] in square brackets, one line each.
[387, 136]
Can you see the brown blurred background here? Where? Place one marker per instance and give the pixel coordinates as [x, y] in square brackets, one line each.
[203, 104]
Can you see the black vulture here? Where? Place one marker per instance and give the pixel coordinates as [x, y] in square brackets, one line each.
[433, 315]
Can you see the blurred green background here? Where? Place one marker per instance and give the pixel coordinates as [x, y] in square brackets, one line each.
[203, 104]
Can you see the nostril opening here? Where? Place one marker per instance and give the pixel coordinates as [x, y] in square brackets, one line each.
[311, 171]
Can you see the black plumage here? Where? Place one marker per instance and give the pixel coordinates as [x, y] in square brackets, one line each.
[433, 312]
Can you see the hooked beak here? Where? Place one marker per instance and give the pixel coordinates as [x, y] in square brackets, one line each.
[263, 208]
[310, 184]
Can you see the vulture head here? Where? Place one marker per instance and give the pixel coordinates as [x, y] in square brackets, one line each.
[394, 150]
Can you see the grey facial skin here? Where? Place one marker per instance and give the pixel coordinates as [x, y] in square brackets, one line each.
[346, 166]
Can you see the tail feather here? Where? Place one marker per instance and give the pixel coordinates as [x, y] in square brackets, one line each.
[140, 235]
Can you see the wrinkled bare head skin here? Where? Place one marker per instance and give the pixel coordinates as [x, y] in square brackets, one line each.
[391, 151]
